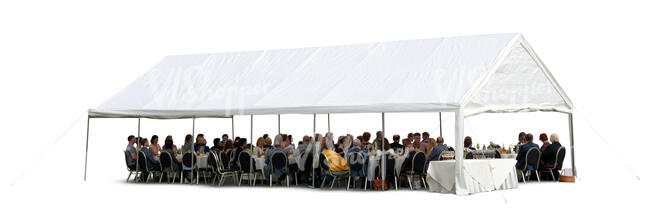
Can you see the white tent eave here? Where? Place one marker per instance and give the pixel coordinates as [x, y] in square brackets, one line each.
[228, 113]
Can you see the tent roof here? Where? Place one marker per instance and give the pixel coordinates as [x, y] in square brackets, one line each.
[483, 73]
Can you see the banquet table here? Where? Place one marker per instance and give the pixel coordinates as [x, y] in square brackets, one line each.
[479, 175]
[373, 163]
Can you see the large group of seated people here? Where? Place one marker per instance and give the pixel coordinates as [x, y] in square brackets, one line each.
[333, 149]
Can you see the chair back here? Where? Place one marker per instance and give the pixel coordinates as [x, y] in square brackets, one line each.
[309, 162]
[497, 154]
[532, 158]
[213, 162]
[188, 158]
[166, 161]
[323, 163]
[559, 158]
[127, 155]
[278, 161]
[417, 164]
[390, 165]
[231, 154]
[357, 162]
[142, 161]
[244, 162]
[224, 159]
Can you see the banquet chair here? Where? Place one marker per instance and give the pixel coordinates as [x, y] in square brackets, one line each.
[279, 161]
[325, 170]
[166, 166]
[358, 163]
[245, 168]
[144, 169]
[309, 165]
[417, 168]
[557, 165]
[532, 159]
[126, 161]
[219, 171]
[224, 158]
[189, 164]
[390, 169]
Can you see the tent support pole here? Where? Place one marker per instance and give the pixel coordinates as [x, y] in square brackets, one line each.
[313, 168]
[250, 171]
[87, 135]
[440, 122]
[573, 159]
[461, 187]
[279, 124]
[137, 155]
[383, 154]
[328, 122]
[232, 126]
[192, 152]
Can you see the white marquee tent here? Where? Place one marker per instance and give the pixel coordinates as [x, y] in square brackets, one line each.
[467, 75]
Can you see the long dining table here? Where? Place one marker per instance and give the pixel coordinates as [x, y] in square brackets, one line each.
[481, 175]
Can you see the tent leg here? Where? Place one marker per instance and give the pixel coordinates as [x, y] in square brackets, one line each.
[383, 155]
[328, 122]
[440, 122]
[250, 171]
[313, 168]
[137, 155]
[192, 152]
[86, 160]
[573, 161]
[232, 126]
[279, 124]
[460, 180]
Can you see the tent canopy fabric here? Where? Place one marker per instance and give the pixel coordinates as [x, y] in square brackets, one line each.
[478, 74]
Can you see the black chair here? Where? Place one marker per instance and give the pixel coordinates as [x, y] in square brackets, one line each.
[390, 169]
[219, 171]
[279, 161]
[532, 159]
[357, 162]
[189, 161]
[224, 157]
[497, 155]
[245, 168]
[166, 166]
[417, 168]
[135, 171]
[557, 165]
[309, 168]
[323, 163]
[143, 167]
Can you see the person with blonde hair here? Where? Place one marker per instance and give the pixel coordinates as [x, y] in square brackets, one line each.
[200, 146]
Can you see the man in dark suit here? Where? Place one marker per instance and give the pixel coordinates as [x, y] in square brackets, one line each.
[521, 156]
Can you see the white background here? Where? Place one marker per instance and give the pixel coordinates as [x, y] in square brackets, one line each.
[57, 59]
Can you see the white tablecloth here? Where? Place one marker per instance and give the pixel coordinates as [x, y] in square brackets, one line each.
[480, 175]
[373, 163]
